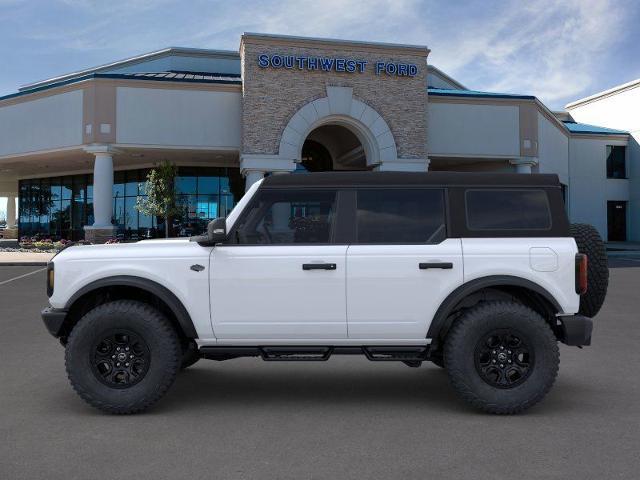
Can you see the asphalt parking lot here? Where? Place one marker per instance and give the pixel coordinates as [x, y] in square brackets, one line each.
[348, 418]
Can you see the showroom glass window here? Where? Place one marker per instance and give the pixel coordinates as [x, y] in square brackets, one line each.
[397, 216]
[289, 217]
[616, 161]
[60, 207]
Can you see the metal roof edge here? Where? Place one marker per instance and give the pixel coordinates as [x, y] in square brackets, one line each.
[603, 94]
[132, 61]
[123, 76]
[446, 76]
[476, 94]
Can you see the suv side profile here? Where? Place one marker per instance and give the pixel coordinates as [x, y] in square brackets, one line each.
[478, 273]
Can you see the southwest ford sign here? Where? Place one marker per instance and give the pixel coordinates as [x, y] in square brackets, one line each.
[334, 64]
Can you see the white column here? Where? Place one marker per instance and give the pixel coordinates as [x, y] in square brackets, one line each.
[103, 190]
[524, 164]
[251, 177]
[11, 211]
[254, 166]
[102, 229]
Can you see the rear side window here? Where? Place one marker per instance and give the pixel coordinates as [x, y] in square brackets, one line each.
[507, 210]
[400, 216]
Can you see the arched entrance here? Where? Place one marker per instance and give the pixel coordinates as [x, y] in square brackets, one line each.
[332, 148]
[337, 132]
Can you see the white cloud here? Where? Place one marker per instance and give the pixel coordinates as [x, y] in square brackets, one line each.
[546, 48]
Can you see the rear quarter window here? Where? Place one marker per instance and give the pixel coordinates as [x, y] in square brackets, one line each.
[507, 209]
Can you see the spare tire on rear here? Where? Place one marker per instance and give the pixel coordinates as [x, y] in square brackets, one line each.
[590, 243]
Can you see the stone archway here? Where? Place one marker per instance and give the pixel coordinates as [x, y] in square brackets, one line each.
[341, 109]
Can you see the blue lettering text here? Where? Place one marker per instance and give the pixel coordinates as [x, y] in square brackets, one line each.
[327, 63]
[263, 60]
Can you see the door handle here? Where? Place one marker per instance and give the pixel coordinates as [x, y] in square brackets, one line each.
[442, 265]
[318, 266]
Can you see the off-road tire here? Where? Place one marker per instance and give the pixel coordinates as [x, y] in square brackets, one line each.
[190, 354]
[146, 323]
[460, 356]
[590, 243]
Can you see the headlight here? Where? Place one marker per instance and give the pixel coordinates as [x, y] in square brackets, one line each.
[50, 279]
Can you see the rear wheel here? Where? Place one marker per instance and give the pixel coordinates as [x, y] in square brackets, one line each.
[589, 242]
[122, 357]
[501, 357]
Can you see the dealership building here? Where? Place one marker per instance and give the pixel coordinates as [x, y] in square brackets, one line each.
[75, 149]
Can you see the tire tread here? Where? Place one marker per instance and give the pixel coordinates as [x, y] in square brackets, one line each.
[456, 376]
[160, 323]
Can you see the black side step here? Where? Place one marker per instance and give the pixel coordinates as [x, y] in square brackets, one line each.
[307, 353]
[292, 354]
[394, 354]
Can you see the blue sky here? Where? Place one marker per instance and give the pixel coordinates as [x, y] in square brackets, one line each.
[558, 51]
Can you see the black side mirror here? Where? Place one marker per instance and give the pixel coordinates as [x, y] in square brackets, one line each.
[216, 232]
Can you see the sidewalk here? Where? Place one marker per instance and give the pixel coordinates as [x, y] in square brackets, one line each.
[24, 258]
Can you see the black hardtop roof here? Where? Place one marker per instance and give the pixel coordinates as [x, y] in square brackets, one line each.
[350, 179]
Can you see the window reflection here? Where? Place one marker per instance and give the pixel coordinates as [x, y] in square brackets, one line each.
[60, 207]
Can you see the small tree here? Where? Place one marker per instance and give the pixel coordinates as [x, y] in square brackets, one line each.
[160, 191]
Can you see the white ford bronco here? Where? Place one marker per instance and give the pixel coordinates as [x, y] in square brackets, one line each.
[478, 273]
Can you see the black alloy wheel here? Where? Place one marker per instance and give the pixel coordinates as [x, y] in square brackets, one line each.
[120, 359]
[503, 358]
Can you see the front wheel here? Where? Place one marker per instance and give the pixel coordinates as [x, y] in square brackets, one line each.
[501, 357]
[122, 356]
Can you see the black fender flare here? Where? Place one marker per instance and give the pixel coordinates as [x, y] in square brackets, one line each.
[154, 288]
[441, 322]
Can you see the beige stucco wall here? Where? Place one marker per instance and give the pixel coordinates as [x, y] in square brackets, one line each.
[54, 121]
[178, 117]
[272, 96]
[466, 129]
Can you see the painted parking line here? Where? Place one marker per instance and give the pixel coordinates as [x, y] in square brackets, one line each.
[22, 276]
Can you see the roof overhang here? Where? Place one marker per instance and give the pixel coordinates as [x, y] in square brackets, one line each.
[145, 57]
[605, 93]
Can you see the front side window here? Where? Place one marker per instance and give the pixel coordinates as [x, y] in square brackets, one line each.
[401, 216]
[616, 163]
[507, 210]
[289, 217]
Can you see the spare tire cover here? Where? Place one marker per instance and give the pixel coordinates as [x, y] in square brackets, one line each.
[590, 243]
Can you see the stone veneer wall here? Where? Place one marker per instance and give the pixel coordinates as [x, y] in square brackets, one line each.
[271, 96]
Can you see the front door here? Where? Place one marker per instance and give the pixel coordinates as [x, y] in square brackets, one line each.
[401, 266]
[617, 221]
[281, 276]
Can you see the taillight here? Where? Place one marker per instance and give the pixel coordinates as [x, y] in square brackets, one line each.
[581, 273]
[50, 279]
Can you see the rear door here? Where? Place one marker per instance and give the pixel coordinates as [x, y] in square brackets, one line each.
[283, 276]
[402, 265]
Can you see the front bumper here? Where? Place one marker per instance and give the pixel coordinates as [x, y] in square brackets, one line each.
[53, 319]
[575, 330]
